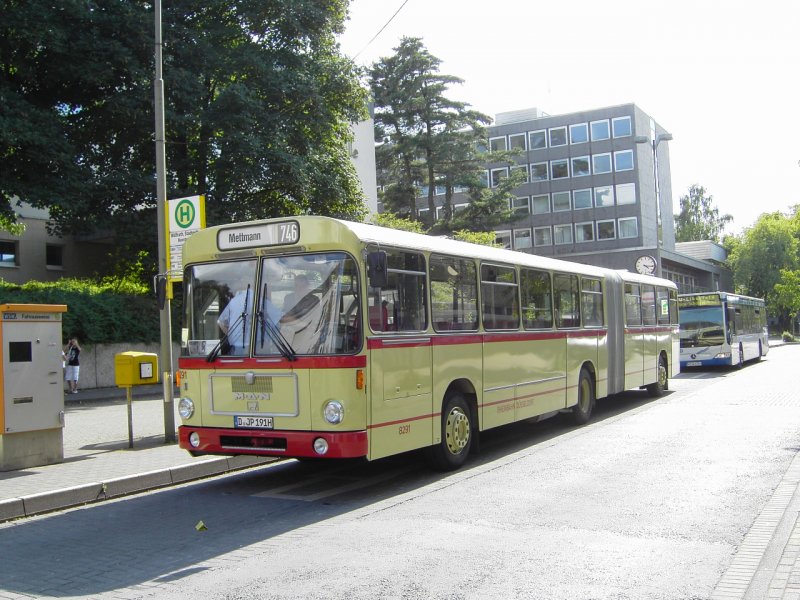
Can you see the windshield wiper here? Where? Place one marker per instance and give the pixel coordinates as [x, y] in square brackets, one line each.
[269, 328]
[212, 356]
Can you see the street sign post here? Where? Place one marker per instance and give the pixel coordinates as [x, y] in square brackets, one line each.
[184, 217]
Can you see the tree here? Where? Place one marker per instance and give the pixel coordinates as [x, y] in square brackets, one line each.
[770, 246]
[698, 218]
[787, 294]
[258, 106]
[422, 133]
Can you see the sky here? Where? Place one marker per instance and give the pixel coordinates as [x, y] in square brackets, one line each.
[722, 76]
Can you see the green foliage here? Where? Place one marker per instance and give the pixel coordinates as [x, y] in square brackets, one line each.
[485, 238]
[787, 292]
[258, 103]
[97, 312]
[425, 137]
[698, 218]
[10, 224]
[395, 222]
[787, 337]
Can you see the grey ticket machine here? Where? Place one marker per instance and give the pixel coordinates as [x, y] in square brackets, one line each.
[31, 386]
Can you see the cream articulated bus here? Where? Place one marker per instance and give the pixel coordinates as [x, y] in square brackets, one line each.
[314, 337]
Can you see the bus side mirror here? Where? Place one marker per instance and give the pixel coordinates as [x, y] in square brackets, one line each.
[161, 291]
[377, 273]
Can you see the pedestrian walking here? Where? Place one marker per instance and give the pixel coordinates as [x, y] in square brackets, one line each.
[72, 371]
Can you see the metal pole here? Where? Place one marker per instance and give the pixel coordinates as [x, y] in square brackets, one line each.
[163, 263]
[129, 397]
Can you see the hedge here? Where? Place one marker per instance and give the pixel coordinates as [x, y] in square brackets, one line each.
[103, 312]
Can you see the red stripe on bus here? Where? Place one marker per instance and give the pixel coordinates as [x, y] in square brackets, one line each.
[302, 362]
[401, 421]
[478, 338]
[650, 329]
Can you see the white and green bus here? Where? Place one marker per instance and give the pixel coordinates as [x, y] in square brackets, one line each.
[721, 329]
[315, 337]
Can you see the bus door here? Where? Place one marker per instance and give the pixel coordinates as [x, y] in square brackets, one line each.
[399, 357]
[634, 337]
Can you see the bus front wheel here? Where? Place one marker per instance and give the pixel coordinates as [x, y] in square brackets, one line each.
[453, 449]
[659, 387]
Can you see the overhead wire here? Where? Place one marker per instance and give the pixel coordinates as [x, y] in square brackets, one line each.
[374, 37]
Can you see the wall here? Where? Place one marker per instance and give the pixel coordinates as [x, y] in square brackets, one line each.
[97, 362]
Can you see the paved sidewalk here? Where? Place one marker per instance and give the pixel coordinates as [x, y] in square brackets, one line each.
[99, 465]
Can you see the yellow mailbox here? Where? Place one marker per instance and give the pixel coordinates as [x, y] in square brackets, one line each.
[135, 368]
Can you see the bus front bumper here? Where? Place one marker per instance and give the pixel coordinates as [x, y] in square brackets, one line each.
[270, 442]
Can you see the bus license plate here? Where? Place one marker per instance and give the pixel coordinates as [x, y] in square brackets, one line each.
[694, 363]
[253, 422]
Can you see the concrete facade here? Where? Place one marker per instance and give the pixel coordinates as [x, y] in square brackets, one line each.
[598, 191]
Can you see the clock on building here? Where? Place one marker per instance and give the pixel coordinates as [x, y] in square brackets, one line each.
[646, 265]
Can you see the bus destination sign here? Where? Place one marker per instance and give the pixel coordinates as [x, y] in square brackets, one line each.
[254, 236]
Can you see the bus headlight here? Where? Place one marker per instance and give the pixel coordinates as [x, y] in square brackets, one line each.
[723, 355]
[186, 408]
[333, 412]
[194, 439]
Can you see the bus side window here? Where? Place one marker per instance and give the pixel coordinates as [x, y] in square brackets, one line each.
[567, 301]
[648, 305]
[662, 306]
[592, 298]
[400, 305]
[454, 294]
[537, 299]
[633, 306]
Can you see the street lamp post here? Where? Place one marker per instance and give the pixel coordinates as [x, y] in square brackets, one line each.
[661, 137]
[163, 263]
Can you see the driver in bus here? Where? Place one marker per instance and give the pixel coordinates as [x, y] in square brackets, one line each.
[234, 321]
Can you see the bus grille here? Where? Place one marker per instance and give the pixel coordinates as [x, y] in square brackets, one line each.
[260, 385]
[254, 443]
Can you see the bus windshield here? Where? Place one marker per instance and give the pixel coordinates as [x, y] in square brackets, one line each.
[701, 326]
[280, 306]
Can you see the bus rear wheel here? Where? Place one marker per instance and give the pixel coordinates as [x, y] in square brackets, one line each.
[582, 411]
[453, 449]
[659, 387]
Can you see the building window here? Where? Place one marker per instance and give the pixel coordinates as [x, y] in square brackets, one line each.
[485, 179]
[439, 212]
[8, 254]
[558, 136]
[584, 232]
[521, 206]
[522, 239]
[626, 193]
[601, 163]
[542, 236]
[524, 169]
[606, 230]
[582, 199]
[498, 174]
[497, 144]
[503, 238]
[541, 204]
[517, 141]
[423, 214]
[559, 169]
[623, 160]
[54, 256]
[537, 140]
[600, 130]
[628, 228]
[539, 172]
[580, 166]
[622, 127]
[561, 201]
[562, 234]
[459, 208]
[604, 196]
[578, 133]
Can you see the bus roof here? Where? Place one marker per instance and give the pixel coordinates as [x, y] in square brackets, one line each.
[726, 296]
[203, 246]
